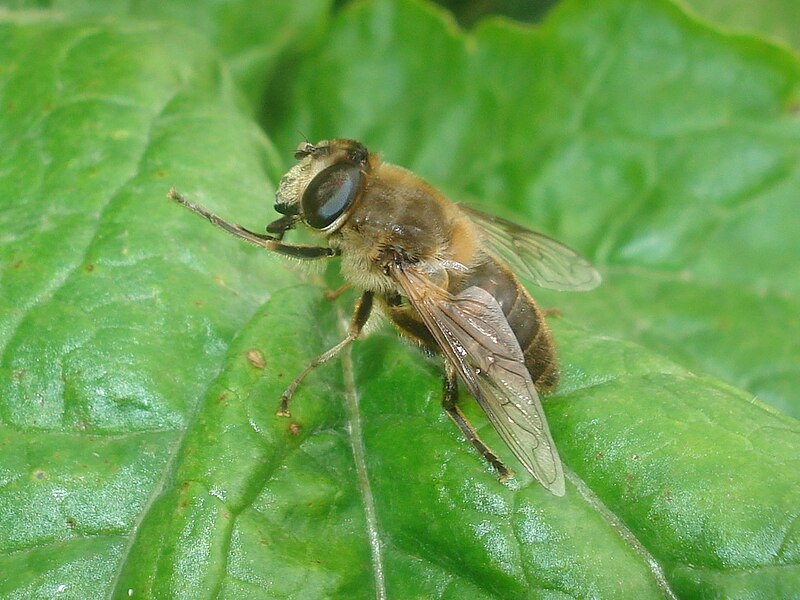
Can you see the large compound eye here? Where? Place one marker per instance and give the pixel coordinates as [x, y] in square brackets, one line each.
[330, 194]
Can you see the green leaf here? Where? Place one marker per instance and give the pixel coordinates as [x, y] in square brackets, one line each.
[111, 326]
[775, 19]
[139, 449]
[254, 36]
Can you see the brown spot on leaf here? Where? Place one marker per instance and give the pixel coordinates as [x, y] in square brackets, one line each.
[256, 358]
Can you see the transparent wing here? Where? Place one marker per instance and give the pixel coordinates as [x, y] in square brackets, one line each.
[534, 256]
[475, 337]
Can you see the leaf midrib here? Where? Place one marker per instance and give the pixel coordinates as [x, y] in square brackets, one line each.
[359, 457]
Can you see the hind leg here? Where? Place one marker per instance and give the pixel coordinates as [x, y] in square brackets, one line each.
[449, 399]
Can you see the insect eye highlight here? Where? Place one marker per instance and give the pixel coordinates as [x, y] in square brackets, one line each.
[331, 193]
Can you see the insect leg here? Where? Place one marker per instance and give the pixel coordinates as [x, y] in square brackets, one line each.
[360, 317]
[449, 399]
[267, 242]
[334, 294]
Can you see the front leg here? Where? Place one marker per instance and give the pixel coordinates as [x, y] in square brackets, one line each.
[258, 239]
[360, 317]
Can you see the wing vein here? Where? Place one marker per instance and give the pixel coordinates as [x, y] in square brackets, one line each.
[477, 340]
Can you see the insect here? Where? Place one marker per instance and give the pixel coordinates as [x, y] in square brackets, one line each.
[443, 275]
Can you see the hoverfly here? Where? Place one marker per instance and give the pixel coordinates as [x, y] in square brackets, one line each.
[443, 276]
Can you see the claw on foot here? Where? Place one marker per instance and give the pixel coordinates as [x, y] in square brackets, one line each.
[283, 409]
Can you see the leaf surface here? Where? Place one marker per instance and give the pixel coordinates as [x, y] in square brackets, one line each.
[774, 19]
[139, 449]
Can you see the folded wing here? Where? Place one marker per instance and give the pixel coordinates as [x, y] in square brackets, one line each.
[475, 337]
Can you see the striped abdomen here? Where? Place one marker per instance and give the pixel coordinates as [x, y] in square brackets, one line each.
[524, 317]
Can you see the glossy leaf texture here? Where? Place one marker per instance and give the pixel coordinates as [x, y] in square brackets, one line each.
[143, 352]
